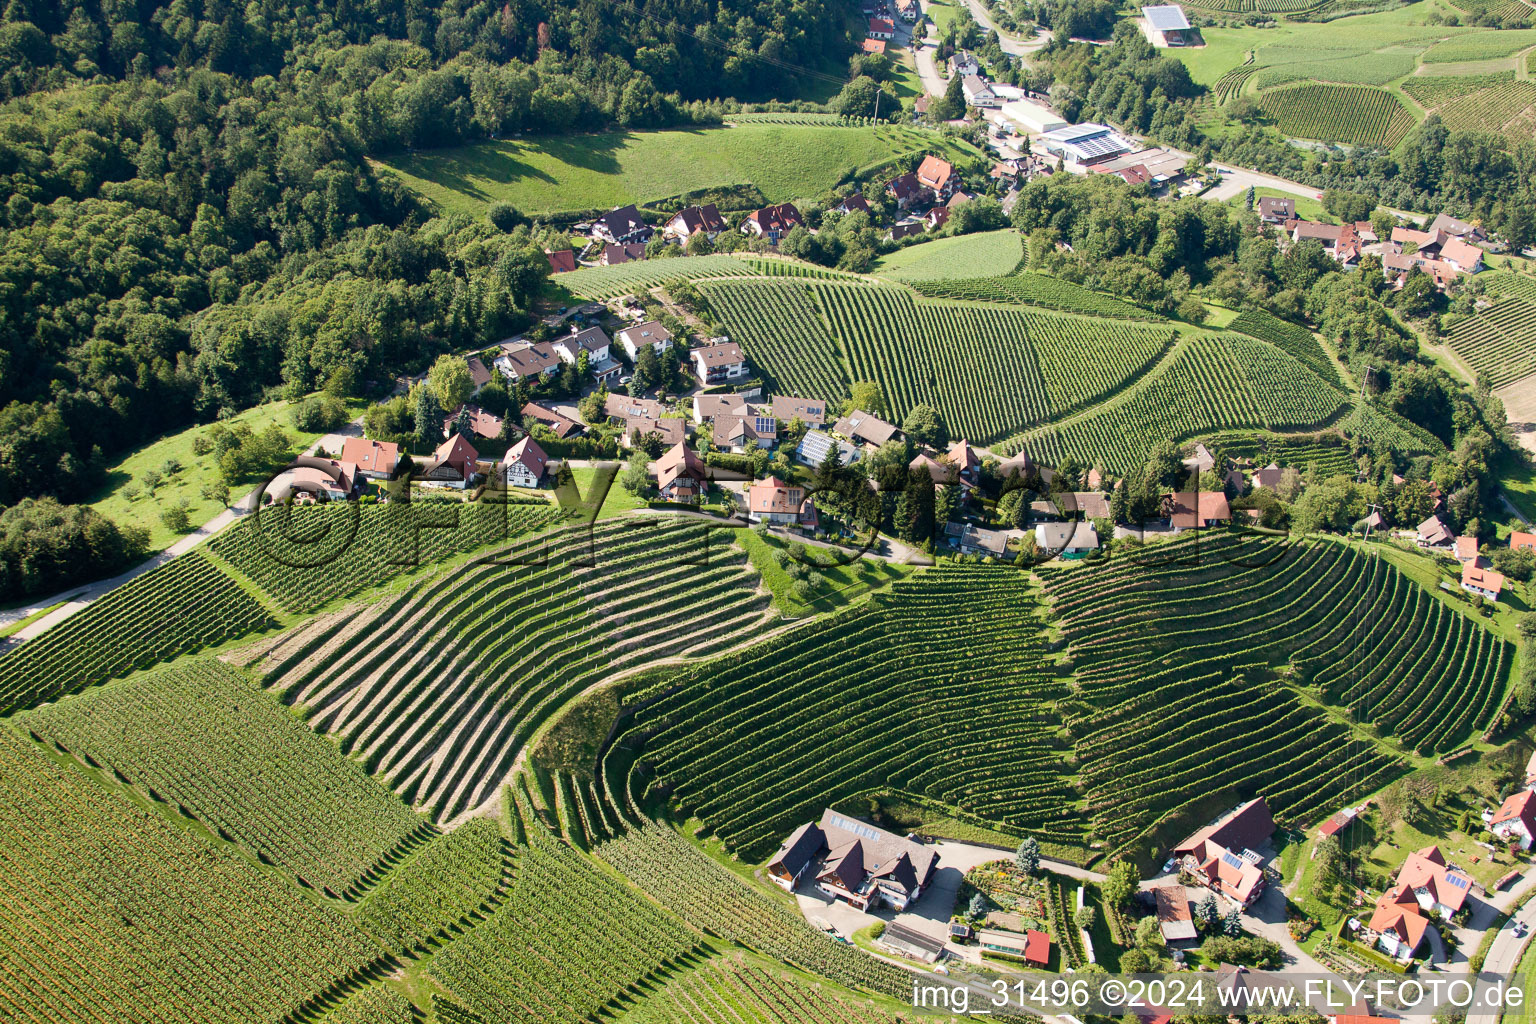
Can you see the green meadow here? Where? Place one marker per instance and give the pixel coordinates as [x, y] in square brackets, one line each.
[584, 172]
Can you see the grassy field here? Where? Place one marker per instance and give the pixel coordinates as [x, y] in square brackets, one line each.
[582, 172]
[188, 482]
[831, 587]
[989, 254]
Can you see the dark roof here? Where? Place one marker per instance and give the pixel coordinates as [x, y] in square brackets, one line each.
[897, 932]
[802, 846]
[701, 218]
[776, 218]
[479, 373]
[623, 220]
[905, 187]
[1246, 828]
[846, 865]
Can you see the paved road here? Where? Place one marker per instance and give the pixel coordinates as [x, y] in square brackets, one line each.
[1010, 44]
[1505, 953]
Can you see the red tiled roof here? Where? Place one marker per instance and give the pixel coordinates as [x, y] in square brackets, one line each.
[370, 456]
[1474, 575]
[935, 173]
[1518, 540]
[1518, 805]
[562, 261]
[1037, 947]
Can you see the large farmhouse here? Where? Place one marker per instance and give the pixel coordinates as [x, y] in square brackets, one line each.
[854, 861]
[1224, 853]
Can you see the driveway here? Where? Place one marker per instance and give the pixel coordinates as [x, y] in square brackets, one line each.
[1507, 948]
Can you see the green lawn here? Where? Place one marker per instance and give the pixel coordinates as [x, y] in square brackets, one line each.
[583, 172]
[619, 500]
[839, 586]
[1306, 209]
[988, 254]
[187, 484]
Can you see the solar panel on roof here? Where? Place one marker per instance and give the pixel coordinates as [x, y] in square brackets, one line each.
[1458, 881]
[1166, 17]
[1231, 861]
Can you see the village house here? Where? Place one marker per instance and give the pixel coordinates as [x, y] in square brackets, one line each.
[774, 501]
[938, 177]
[978, 93]
[855, 203]
[524, 463]
[479, 422]
[941, 473]
[1434, 535]
[817, 445]
[772, 222]
[672, 430]
[985, 543]
[1326, 235]
[374, 460]
[1032, 946]
[680, 474]
[528, 361]
[881, 28]
[311, 477]
[1069, 541]
[695, 220]
[963, 63]
[622, 225]
[967, 463]
[719, 362]
[649, 333]
[1519, 540]
[1462, 256]
[1274, 210]
[595, 343]
[561, 425]
[613, 255]
[906, 229]
[909, 10]
[706, 407]
[872, 45]
[1188, 510]
[1224, 853]
[865, 428]
[1465, 549]
[619, 406]
[936, 218]
[786, 409]
[744, 432]
[858, 863]
[1425, 890]
[1515, 820]
[479, 373]
[906, 190]
[452, 464]
[1482, 581]
[560, 262]
[1460, 229]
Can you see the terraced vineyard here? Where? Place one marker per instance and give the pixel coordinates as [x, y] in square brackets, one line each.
[642, 275]
[567, 939]
[786, 338]
[310, 555]
[113, 915]
[376, 1004]
[1288, 337]
[753, 750]
[992, 371]
[732, 988]
[1328, 453]
[1230, 85]
[1355, 115]
[1434, 90]
[1035, 290]
[440, 687]
[1499, 343]
[1174, 656]
[203, 737]
[1214, 383]
[1504, 107]
[456, 880]
[684, 880]
[1503, 282]
[184, 605]
[1383, 429]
